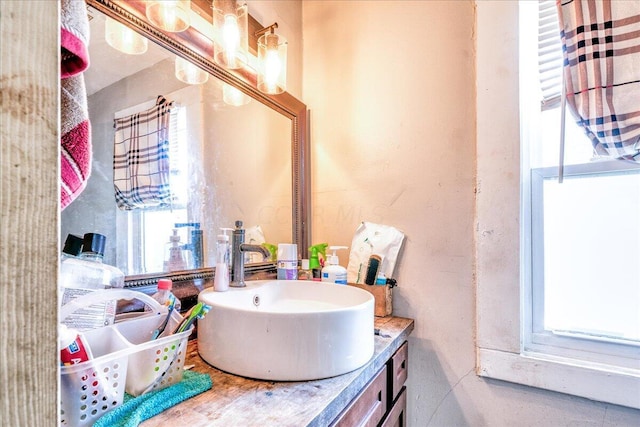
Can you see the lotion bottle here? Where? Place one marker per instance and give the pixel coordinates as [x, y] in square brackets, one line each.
[333, 272]
[223, 262]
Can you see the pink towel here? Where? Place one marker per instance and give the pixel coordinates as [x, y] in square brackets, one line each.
[75, 144]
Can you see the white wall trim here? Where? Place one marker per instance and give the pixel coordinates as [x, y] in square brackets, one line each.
[593, 383]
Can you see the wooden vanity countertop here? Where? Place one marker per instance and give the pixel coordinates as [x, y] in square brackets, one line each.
[239, 401]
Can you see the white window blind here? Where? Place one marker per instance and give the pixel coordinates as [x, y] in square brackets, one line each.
[549, 55]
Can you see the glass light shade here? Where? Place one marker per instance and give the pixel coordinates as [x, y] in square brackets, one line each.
[189, 73]
[272, 56]
[124, 39]
[230, 39]
[169, 15]
[232, 96]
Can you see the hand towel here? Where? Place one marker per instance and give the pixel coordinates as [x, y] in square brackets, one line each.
[75, 144]
[135, 410]
[141, 171]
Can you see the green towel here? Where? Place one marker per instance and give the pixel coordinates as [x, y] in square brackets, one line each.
[135, 410]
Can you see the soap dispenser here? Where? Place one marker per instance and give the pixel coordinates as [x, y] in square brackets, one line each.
[174, 259]
[223, 261]
[334, 272]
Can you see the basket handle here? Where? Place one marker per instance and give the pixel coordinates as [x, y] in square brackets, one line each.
[105, 295]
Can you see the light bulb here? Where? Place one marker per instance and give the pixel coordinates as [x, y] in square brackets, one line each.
[169, 15]
[189, 73]
[272, 68]
[124, 39]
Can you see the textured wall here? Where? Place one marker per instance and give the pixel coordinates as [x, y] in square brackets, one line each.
[29, 193]
[392, 90]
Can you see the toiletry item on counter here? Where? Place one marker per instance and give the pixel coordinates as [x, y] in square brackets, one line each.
[223, 262]
[72, 247]
[85, 274]
[373, 239]
[373, 268]
[334, 272]
[163, 294]
[304, 273]
[198, 311]
[174, 255]
[73, 346]
[315, 261]
[287, 261]
[273, 250]
[381, 279]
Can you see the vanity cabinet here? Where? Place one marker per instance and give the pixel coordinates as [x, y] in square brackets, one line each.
[383, 401]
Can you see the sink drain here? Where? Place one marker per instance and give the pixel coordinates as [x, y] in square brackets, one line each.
[256, 300]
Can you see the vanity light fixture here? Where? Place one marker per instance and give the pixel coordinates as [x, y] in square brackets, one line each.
[230, 41]
[189, 73]
[272, 58]
[233, 96]
[169, 15]
[124, 39]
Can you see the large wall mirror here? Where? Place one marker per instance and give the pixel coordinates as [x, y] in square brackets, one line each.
[244, 158]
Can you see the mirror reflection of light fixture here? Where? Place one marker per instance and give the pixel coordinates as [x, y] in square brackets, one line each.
[169, 15]
[124, 39]
[230, 41]
[232, 96]
[189, 73]
[272, 56]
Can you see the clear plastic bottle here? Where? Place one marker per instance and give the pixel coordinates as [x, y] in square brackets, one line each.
[162, 295]
[223, 262]
[87, 273]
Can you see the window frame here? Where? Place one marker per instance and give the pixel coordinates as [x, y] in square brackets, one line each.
[498, 235]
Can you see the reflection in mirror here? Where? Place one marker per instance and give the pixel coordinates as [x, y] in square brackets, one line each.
[227, 161]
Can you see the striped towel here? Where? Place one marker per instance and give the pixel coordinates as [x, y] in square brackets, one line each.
[75, 129]
[601, 44]
[141, 158]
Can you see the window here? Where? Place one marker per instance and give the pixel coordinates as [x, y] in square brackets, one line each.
[533, 288]
[581, 237]
[142, 226]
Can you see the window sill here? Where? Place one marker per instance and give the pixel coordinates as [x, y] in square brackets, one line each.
[595, 382]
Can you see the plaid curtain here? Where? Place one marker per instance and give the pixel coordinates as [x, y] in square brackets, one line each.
[601, 48]
[141, 158]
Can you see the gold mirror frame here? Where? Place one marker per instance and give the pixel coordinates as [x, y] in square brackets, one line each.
[198, 49]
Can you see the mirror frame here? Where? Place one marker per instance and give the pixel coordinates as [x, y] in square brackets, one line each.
[197, 48]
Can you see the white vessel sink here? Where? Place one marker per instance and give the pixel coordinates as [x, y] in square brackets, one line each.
[287, 330]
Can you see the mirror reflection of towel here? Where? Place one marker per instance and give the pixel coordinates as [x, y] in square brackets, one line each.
[141, 171]
[75, 129]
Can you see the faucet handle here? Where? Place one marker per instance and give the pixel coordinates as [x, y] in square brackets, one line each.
[238, 224]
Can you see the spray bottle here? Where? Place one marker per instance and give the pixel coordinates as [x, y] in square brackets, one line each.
[334, 272]
[314, 262]
[223, 261]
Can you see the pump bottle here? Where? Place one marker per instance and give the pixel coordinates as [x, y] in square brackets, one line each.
[334, 272]
[223, 262]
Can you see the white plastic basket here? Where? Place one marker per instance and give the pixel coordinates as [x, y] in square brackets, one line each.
[124, 359]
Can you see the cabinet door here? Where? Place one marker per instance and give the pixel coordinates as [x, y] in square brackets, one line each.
[398, 414]
[399, 365]
[369, 407]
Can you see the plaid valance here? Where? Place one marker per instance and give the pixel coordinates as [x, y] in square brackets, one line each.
[601, 47]
[141, 158]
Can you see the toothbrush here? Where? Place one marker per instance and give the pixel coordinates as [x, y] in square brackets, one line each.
[161, 328]
[197, 312]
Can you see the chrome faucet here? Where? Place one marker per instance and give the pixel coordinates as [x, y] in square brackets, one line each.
[239, 247]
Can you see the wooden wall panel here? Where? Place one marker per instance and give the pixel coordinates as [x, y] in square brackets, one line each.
[29, 73]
